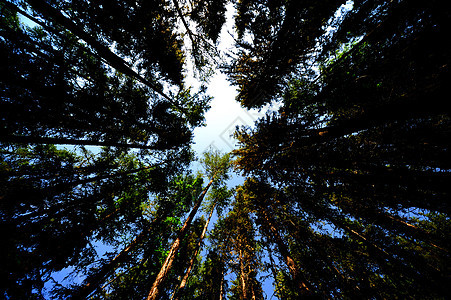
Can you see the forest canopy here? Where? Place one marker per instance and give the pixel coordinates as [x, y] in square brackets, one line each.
[346, 182]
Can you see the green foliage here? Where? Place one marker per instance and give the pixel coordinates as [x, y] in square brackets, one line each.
[196, 104]
[347, 189]
[274, 38]
[216, 165]
[210, 15]
[354, 155]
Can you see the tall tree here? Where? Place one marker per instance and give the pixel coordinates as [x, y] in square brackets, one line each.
[360, 146]
[216, 168]
[54, 203]
[347, 191]
[218, 197]
[167, 207]
[245, 248]
[60, 90]
[63, 83]
[274, 37]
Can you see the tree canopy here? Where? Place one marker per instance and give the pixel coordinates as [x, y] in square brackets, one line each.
[345, 189]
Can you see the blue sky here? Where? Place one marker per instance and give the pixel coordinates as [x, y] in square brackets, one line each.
[225, 113]
[221, 120]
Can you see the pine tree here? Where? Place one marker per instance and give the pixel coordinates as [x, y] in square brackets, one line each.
[216, 168]
[346, 189]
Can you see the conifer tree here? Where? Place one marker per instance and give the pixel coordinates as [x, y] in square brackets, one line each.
[347, 178]
[216, 168]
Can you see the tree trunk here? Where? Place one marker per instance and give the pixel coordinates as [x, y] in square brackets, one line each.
[69, 141]
[154, 291]
[412, 230]
[390, 260]
[185, 24]
[242, 275]
[193, 258]
[113, 60]
[221, 289]
[96, 279]
[304, 286]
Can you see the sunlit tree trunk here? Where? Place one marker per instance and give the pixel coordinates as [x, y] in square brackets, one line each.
[154, 291]
[221, 288]
[242, 275]
[193, 258]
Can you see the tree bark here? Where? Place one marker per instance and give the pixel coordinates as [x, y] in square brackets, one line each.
[154, 291]
[193, 258]
[242, 275]
[221, 288]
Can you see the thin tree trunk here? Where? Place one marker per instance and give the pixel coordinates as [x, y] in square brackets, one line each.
[412, 230]
[304, 286]
[193, 258]
[390, 260]
[57, 33]
[96, 279]
[221, 289]
[242, 275]
[68, 141]
[185, 24]
[191, 35]
[113, 60]
[254, 296]
[154, 291]
[55, 59]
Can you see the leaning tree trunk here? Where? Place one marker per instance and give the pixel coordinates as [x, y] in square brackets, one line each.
[305, 288]
[221, 288]
[154, 291]
[103, 51]
[69, 141]
[106, 270]
[193, 258]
